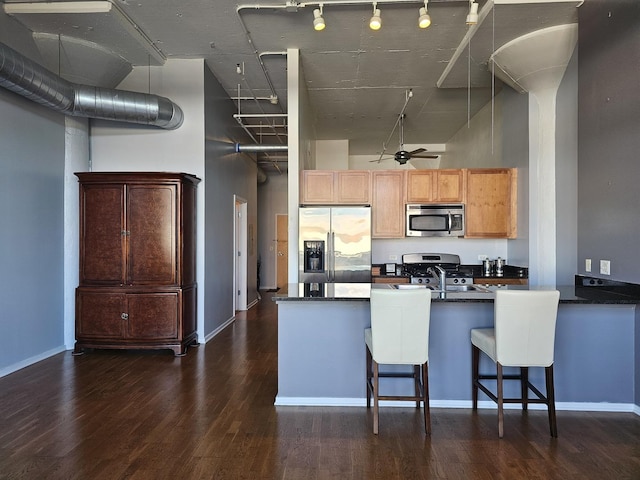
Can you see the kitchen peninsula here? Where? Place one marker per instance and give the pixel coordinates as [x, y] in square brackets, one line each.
[321, 356]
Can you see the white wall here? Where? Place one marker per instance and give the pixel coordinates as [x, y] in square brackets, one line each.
[76, 160]
[118, 147]
[302, 150]
[332, 154]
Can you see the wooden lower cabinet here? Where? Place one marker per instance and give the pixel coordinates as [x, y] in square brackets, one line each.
[138, 319]
[390, 280]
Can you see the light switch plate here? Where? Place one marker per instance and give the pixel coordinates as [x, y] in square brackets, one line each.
[605, 267]
[587, 264]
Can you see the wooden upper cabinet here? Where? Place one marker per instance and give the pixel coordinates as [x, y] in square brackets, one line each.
[491, 203]
[420, 186]
[317, 187]
[339, 187]
[435, 186]
[387, 205]
[353, 186]
[450, 185]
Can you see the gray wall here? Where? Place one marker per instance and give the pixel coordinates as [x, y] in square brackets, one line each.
[609, 137]
[272, 200]
[227, 174]
[31, 245]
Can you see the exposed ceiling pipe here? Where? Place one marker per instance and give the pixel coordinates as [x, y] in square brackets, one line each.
[261, 148]
[32, 81]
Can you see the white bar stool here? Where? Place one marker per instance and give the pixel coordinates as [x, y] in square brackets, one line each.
[399, 335]
[524, 336]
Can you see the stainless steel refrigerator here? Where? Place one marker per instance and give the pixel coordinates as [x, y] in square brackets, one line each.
[335, 244]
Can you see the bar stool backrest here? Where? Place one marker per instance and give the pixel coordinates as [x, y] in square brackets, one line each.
[400, 325]
[525, 327]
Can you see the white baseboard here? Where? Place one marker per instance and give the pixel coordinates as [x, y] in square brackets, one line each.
[31, 360]
[361, 402]
[255, 302]
[207, 338]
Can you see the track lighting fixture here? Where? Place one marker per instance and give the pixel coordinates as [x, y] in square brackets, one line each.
[472, 18]
[424, 20]
[318, 21]
[376, 21]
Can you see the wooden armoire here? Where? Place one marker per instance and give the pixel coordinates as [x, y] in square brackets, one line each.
[137, 286]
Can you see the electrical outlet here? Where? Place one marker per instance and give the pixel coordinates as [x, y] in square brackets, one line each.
[587, 265]
[605, 267]
[482, 257]
[393, 257]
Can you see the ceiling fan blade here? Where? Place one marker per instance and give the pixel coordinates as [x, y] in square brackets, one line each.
[425, 156]
[417, 150]
[381, 158]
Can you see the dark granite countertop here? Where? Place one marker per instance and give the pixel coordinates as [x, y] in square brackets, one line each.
[587, 290]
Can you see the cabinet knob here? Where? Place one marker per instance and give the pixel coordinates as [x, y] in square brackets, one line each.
[124, 316]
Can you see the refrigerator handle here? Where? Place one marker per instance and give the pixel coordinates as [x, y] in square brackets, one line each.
[327, 258]
[333, 256]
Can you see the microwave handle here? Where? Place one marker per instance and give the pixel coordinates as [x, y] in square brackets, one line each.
[449, 222]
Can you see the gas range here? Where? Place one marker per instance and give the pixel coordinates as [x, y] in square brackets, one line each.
[416, 266]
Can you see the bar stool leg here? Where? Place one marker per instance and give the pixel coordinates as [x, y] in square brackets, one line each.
[416, 384]
[500, 403]
[551, 401]
[475, 362]
[375, 397]
[369, 375]
[524, 387]
[425, 398]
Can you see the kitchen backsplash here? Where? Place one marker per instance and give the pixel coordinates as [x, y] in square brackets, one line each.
[383, 250]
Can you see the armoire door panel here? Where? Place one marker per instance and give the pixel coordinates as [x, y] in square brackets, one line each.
[102, 235]
[151, 223]
[152, 316]
[100, 315]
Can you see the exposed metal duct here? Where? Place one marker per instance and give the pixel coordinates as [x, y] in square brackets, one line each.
[32, 81]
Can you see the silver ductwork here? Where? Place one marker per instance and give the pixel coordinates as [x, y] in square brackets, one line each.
[32, 81]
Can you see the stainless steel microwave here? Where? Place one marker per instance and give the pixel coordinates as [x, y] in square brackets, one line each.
[436, 220]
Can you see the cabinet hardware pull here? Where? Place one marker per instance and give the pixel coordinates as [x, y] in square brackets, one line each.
[125, 316]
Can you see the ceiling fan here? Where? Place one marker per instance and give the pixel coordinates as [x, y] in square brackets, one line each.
[402, 156]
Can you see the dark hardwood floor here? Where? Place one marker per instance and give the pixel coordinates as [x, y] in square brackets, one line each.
[210, 415]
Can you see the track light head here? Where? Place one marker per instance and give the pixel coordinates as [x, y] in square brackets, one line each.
[376, 20]
[424, 20]
[318, 21]
[472, 18]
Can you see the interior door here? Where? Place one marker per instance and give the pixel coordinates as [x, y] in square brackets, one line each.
[282, 250]
[240, 243]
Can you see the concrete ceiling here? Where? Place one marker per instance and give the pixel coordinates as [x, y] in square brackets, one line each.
[356, 78]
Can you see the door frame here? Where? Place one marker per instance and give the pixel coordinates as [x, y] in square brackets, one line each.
[276, 248]
[240, 264]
